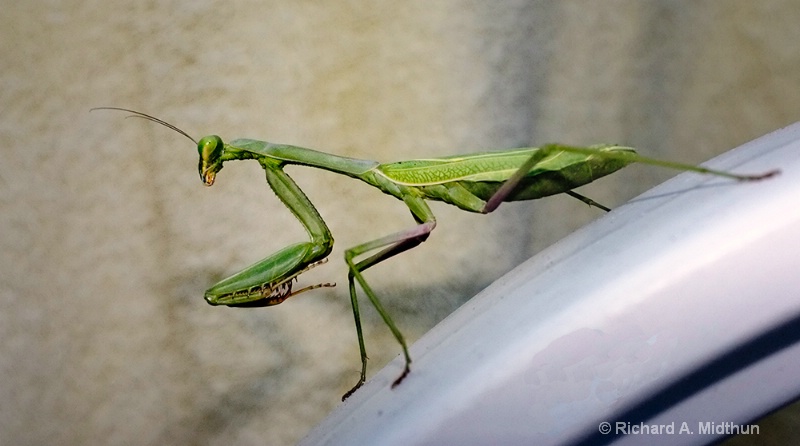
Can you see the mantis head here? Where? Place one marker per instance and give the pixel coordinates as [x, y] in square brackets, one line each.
[210, 149]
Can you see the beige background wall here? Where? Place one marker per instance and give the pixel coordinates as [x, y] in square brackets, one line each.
[108, 239]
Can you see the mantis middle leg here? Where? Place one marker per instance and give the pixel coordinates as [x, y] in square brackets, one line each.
[393, 244]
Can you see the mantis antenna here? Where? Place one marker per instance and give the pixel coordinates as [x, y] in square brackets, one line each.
[147, 117]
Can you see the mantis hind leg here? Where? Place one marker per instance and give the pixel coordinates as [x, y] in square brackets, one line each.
[625, 157]
[393, 244]
[513, 182]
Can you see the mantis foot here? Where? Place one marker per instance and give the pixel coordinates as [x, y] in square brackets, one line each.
[351, 391]
[402, 376]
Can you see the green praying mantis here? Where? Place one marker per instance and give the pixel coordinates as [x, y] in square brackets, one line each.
[477, 182]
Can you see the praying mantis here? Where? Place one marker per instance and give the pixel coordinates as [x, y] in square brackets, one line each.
[477, 182]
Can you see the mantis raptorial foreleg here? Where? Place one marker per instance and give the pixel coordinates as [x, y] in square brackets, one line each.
[269, 281]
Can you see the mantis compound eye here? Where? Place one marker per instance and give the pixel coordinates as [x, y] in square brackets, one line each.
[210, 150]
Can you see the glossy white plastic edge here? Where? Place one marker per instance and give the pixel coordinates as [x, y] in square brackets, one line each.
[681, 288]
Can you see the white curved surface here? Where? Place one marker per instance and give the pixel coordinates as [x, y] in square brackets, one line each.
[664, 310]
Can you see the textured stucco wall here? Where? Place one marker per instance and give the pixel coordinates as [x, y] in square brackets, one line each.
[108, 239]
